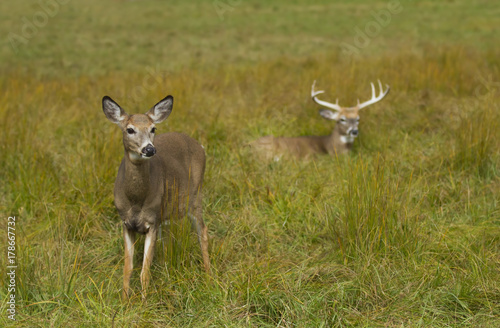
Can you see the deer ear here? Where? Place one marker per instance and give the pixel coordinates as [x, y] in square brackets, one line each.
[329, 115]
[161, 110]
[112, 110]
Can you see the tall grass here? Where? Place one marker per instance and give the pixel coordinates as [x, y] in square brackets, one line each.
[376, 216]
[403, 232]
[476, 139]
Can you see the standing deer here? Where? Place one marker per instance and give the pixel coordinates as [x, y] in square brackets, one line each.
[338, 142]
[155, 181]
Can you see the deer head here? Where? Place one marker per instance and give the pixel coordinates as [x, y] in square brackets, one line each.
[347, 118]
[139, 129]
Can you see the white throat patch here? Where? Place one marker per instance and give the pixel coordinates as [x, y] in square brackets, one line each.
[347, 139]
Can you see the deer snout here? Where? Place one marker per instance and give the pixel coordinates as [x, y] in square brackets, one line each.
[148, 151]
[354, 132]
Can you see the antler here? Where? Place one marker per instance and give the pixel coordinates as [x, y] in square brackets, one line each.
[321, 102]
[374, 97]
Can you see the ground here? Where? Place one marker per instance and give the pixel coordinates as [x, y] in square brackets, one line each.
[402, 232]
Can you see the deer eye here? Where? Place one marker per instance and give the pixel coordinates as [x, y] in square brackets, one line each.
[130, 131]
[342, 120]
[153, 130]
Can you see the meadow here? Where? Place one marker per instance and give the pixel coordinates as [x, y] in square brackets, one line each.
[402, 232]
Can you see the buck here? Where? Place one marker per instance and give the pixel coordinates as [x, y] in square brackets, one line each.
[340, 141]
[159, 178]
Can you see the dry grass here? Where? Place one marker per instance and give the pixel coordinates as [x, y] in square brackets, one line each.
[402, 232]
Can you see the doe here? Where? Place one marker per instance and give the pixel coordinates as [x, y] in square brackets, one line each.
[338, 142]
[159, 178]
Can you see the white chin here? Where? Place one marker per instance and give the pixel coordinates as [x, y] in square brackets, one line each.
[347, 139]
[138, 157]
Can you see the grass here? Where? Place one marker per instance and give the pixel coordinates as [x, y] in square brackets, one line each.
[403, 232]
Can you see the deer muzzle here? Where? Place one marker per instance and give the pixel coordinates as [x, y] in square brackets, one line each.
[148, 151]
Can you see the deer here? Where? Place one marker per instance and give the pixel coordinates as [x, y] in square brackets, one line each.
[340, 141]
[159, 178]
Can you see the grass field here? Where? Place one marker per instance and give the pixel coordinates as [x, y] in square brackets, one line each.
[403, 232]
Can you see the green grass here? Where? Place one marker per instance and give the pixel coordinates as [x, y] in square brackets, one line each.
[403, 232]
[95, 37]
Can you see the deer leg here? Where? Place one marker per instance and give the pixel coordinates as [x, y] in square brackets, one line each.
[203, 239]
[202, 232]
[149, 251]
[129, 240]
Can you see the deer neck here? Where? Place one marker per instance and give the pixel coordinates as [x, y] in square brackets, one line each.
[340, 142]
[137, 177]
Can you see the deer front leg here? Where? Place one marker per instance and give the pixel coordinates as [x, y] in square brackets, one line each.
[129, 241]
[202, 232]
[149, 251]
[203, 239]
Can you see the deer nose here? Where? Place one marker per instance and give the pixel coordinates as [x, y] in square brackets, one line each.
[149, 150]
[354, 133]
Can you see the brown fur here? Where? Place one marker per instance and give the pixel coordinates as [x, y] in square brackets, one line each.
[340, 141]
[301, 147]
[155, 182]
